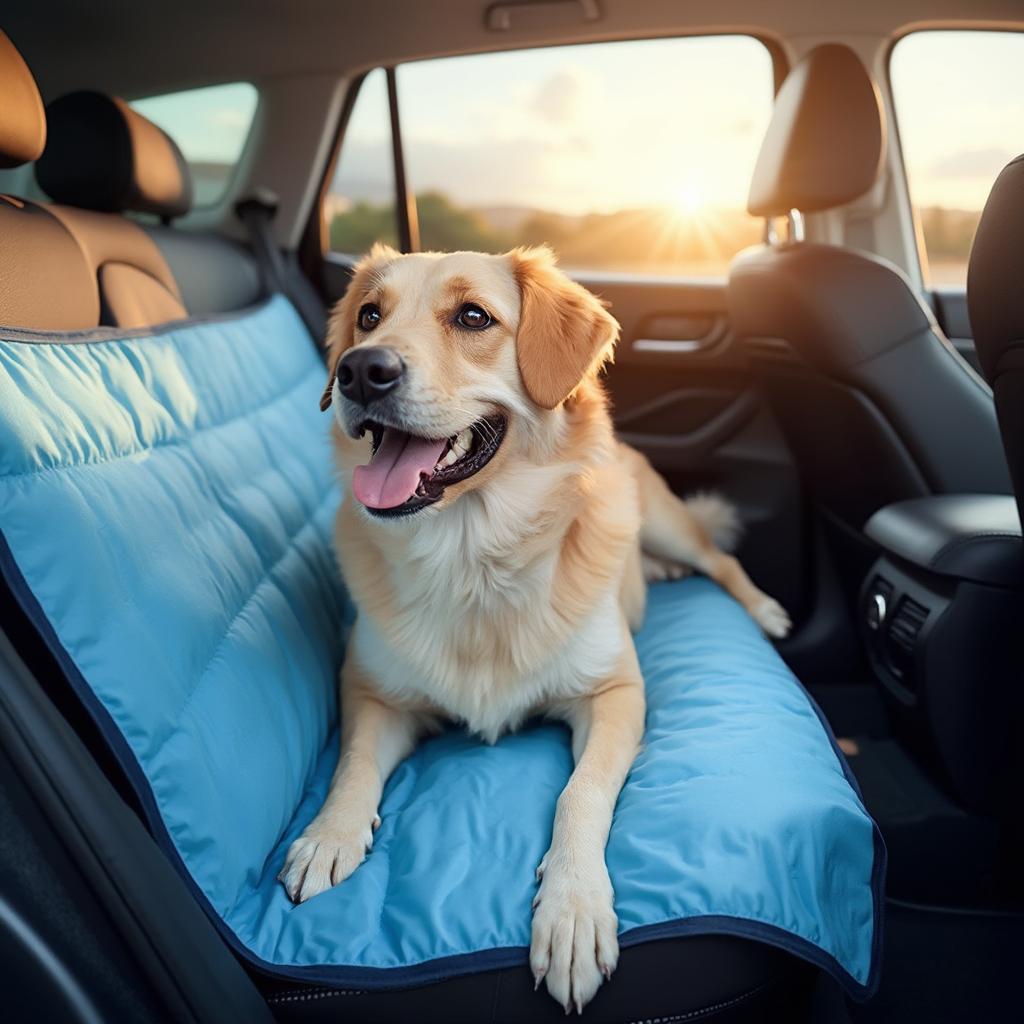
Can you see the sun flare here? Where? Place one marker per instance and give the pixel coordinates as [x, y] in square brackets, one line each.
[689, 199]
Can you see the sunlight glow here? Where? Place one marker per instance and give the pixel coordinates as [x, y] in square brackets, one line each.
[689, 199]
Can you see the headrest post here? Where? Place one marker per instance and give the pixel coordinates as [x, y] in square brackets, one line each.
[795, 223]
[771, 234]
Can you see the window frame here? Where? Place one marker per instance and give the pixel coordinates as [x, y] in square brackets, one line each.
[920, 249]
[316, 237]
[246, 142]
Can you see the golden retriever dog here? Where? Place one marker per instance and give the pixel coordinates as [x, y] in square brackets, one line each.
[495, 538]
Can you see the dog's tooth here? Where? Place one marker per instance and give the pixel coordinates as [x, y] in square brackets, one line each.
[448, 459]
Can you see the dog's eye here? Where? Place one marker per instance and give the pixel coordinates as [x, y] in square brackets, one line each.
[369, 316]
[473, 317]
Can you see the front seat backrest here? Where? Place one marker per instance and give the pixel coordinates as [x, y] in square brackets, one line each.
[45, 284]
[876, 403]
[995, 299]
[103, 159]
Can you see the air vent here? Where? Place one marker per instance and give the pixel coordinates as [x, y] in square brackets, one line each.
[904, 627]
[878, 600]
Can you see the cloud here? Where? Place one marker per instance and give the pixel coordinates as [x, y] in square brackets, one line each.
[563, 97]
[229, 117]
[969, 164]
[525, 172]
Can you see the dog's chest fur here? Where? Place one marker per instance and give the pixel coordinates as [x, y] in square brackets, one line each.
[471, 623]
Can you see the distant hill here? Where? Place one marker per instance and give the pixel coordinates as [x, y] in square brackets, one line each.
[656, 240]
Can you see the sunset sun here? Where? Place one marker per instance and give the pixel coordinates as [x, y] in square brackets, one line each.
[689, 199]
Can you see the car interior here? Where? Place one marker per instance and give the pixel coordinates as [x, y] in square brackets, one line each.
[808, 219]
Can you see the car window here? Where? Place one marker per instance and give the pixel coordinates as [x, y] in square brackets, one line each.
[633, 156]
[359, 207]
[959, 99]
[210, 126]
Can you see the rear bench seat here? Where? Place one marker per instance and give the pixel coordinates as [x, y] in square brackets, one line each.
[160, 400]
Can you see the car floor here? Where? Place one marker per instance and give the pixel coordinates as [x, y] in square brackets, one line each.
[954, 934]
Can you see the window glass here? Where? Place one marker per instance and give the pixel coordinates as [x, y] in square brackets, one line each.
[632, 156]
[210, 126]
[959, 100]
[359, 208]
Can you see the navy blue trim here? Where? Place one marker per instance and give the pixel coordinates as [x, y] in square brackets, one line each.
[880, 858]
[91, 335]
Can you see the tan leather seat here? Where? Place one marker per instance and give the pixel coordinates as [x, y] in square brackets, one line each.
[45, 280]
[103, 159]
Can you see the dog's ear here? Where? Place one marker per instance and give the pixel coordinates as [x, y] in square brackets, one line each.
[565, 333]
[342, 323]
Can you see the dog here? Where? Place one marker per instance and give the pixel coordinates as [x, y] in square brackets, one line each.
[496, 538]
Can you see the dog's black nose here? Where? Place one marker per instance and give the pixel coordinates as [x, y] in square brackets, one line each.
[369, 372]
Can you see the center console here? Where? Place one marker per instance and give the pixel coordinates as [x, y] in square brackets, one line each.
[942, 617]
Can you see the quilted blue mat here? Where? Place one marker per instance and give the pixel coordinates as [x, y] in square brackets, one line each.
[166, 502]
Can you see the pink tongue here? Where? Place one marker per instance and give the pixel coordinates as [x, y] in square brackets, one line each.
[394, 472]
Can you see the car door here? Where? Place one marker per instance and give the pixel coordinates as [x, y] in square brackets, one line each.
[422, 166]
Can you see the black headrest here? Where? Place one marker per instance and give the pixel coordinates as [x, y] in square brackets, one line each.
[22, 119]
[102, 155]
[824, 143]
[995, 275]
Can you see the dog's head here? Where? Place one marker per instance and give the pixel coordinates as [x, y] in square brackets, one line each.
[451, 361]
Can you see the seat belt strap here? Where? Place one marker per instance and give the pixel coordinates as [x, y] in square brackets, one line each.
[257, 212]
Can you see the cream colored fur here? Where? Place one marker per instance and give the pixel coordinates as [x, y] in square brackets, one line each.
[514, 595]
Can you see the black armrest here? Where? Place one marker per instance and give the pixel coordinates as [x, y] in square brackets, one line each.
[968, 536]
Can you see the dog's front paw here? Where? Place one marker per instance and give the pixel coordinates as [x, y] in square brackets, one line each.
[324, 856]
[575, 944]
[772, 618]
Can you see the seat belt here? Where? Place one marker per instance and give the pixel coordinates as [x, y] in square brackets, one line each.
[257, 211]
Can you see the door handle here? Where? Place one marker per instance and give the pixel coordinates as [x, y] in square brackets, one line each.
[676, 336]
[674, 346]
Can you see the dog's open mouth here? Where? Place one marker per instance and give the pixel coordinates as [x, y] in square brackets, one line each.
[407, 473]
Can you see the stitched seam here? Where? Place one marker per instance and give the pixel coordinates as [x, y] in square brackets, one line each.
[289, 548]
[959, 542]
[318, 994]
[177, 442]
[705, 1010]
[314, 994]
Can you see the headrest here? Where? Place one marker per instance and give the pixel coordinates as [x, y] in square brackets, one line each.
[994, 297]
[22, 118]
[102, 155]
[823, 146]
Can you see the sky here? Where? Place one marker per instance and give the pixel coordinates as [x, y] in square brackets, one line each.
[575, 129]
[960, 107]
[209, 124]
[673, 122]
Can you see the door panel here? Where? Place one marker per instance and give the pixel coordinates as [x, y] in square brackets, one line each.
[683, 395]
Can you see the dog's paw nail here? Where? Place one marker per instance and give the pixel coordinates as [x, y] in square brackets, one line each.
[376, 822]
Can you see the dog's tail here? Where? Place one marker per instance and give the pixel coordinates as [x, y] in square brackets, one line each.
[718, 517]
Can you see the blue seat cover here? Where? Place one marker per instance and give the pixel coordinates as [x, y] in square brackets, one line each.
[166, 504]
